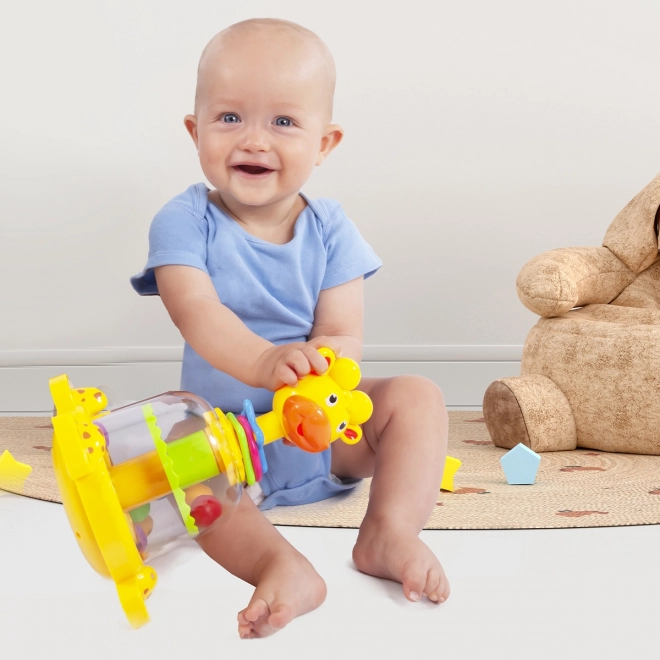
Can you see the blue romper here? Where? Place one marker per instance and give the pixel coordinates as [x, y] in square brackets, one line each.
[273, 289]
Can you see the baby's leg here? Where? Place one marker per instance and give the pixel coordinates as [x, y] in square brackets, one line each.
[287, 585]
[404, 448]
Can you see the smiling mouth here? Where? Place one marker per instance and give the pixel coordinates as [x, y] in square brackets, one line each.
[253, 169]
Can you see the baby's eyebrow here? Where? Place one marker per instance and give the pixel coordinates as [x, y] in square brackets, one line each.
[285, 107]
[226, 104]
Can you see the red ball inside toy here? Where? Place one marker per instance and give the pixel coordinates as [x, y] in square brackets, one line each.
[205, 509]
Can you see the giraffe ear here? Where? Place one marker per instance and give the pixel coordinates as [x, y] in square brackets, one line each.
[346, 373]
[90, 398]
[329, 356]
[359, 406]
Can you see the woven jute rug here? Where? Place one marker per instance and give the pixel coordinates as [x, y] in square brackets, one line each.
[581, 488]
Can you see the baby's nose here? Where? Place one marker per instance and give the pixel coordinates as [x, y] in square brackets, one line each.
[255, 139]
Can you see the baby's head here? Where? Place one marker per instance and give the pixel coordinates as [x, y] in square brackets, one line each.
[263, 108]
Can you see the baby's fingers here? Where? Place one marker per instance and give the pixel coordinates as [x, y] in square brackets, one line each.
[328, 342]
[296, 363]
[316, 361]
[285, 375]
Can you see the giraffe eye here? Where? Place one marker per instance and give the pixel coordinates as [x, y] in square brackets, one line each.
[332, 400]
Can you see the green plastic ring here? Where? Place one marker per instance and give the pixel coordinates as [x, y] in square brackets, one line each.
[172, 476]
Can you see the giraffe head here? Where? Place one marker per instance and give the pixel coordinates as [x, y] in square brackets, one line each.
[322, 408]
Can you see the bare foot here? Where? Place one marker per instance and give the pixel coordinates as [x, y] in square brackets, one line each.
[400, 555]
[288, 587]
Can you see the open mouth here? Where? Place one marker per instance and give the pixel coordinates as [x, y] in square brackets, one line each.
[253, 169]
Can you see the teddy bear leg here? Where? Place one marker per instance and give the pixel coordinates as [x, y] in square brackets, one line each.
[529, 409]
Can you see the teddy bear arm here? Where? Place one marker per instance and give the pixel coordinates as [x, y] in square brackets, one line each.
[555, 282]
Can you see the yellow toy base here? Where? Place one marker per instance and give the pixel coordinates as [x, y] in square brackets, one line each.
[98, 521]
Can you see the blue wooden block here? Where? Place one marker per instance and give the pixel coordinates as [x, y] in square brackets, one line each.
[520, 465]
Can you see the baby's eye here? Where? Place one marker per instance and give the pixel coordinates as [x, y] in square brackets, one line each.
[230, 118]
[341, 427]
[283, 121]
[331, 400]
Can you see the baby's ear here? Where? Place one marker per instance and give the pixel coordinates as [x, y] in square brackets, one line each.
[331, 138]
[190, 122]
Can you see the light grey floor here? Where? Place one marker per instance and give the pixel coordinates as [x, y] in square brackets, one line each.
[576, 593]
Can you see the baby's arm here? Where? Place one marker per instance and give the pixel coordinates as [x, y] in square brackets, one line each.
[225, 342]
[339, 315]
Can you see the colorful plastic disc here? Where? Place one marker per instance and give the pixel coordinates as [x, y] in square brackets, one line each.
[252, 446]
[245, 451]
[224, 431]
[248, 411]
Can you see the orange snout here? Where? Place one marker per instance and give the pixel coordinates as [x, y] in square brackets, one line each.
[306, 424]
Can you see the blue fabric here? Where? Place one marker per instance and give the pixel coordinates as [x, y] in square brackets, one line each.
[273, 289]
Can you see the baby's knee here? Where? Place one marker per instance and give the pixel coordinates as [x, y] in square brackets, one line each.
[413, 391]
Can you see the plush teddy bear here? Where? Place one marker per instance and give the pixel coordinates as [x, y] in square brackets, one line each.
[590, 371]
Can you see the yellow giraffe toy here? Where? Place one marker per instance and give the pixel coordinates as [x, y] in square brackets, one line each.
[138, 480]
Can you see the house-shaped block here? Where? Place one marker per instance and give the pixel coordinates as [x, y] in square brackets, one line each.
[520, 465]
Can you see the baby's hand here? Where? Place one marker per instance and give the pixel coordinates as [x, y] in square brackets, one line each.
[288, 363]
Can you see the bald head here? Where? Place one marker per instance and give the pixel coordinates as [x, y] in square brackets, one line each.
[280, 46]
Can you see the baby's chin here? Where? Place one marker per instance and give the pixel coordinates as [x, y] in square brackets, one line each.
[254, 193]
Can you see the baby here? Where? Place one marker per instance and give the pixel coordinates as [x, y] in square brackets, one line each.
[257, 277]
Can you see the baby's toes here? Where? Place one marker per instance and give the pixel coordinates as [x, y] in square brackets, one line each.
[259, 619]
[253, 618]
[445, 590]
[257, 609]
[437, 587]
[414, 580]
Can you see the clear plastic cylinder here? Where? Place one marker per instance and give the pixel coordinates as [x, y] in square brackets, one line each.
[171, 467]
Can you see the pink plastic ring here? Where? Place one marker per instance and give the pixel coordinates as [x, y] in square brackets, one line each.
[252, 446]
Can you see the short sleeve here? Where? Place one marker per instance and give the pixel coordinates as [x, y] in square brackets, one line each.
[177, 236]
[348, 254]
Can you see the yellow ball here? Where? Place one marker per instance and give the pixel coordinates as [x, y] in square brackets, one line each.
[194, 492]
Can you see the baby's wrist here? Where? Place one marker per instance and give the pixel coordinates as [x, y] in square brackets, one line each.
[257, 367]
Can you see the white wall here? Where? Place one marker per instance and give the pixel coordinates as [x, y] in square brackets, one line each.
[478, 134]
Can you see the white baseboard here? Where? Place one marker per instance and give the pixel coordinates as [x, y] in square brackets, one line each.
[129, 374]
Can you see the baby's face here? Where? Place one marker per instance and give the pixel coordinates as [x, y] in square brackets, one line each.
[263, 118]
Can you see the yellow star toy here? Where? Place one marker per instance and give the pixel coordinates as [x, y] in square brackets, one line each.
[12, 473]
[451, 468]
